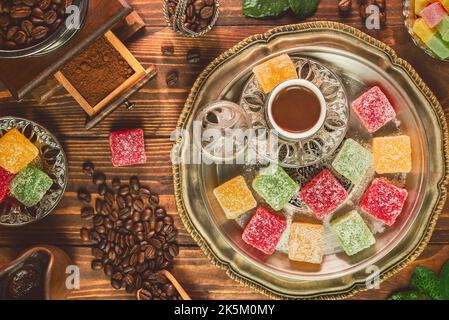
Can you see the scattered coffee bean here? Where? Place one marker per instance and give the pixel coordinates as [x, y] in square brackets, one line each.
[97, 265]
[88, 169]
[99, 178]
[84, 196]
[345, 7]
[116, 184]
[102, 189]
[87, 212]
[167, 50]
[172, 78]
[193, 56]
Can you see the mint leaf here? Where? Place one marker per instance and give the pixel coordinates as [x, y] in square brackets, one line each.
[426, 281]
[444, 282]
[408, 295]
[304, 8]
[264, 8]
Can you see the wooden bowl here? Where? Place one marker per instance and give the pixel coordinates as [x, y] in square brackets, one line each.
[54, 286]
[182, 293]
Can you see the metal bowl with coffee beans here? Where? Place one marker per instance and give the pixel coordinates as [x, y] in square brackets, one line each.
[34, 26]
[133, 237]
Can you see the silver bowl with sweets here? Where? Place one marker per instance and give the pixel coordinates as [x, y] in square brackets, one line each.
[33, 167]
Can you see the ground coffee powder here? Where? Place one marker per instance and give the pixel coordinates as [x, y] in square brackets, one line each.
[97, 71]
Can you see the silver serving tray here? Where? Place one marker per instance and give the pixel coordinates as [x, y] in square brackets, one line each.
[360, 61]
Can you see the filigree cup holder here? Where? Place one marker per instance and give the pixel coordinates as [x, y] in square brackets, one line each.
[223, 127]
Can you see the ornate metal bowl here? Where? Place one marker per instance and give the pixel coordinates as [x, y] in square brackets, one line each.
[51, 160]
[360, 61]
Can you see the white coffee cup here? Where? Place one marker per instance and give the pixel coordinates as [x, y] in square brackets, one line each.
[297, 83]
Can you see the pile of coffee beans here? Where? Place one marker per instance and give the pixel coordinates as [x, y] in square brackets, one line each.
[24, 23]
[158, 287]
[197, 16]
[133, 235]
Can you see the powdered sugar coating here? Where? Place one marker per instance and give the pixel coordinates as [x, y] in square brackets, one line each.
[234, 197]
[275, 186]
[374, 109]
[384, 201]
[306, 243]
[352, 233]
[127, 147]
[264, 230]
[392, 154]
[30, 186]
[323, 194]
[353, 161]
[5, 180]
[433, 14]
[16, 151]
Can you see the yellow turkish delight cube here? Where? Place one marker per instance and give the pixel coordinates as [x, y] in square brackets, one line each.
[16, 151]
[235, 197]
[422, 30]
[306, 243]
[392, 154]
[275, 71]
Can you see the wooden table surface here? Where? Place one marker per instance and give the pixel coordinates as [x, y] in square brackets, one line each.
[157, 110]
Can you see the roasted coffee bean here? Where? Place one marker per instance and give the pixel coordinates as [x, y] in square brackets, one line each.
[168, 220]
[124, 190]
[87, 212]
[145, 295]
[20, 12]
[193, 56]
[154, 199]
[84, 233]
[150, 253]
[108, 269]
[116, 184]
[84, 196]
[94, 236]
[99, 178]
[172, 78]
[345, 7]
[38, 13]
[98, 220]
[160, 213]
[97, 264]
[144, 192]
[173, 249]
[167, 50]
[97, 253]
[136, 216]
[109, 198]
[125, 214]
[100, 229]
[134, 184]
[98, 205]
[138, 205]
[121, 203]
[50, 17]
[102, 189]
[147, 214]
[88, 168]
[116, 284]
[27, 26]
[39, 32]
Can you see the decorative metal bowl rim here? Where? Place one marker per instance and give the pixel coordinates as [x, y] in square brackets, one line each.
[66, 178]
[395, 60]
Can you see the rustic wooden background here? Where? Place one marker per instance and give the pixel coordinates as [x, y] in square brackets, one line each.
[157, 110]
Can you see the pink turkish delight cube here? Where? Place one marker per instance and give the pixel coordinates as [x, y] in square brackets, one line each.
[374, 109]
[323, 194]
[433, 14]
[264, 230]
[5, 180]
[127, 147]
[384, 201]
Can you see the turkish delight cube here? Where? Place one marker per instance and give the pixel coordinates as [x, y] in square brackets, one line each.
[352, 233]
[433, 14]
[264, 230]
[439, 47]
[443, 29]
[422, 30]
[16, 151]
[235, 197]
[384, 201]
[30, 186]
[275, 186]
[392, 154]
[275, 71]
[353, 161]
[127, 147]
[5, 180]
[323, 194]
[374, 109]
[306, 242]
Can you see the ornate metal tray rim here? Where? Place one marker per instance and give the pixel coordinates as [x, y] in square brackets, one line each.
[396, 61]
